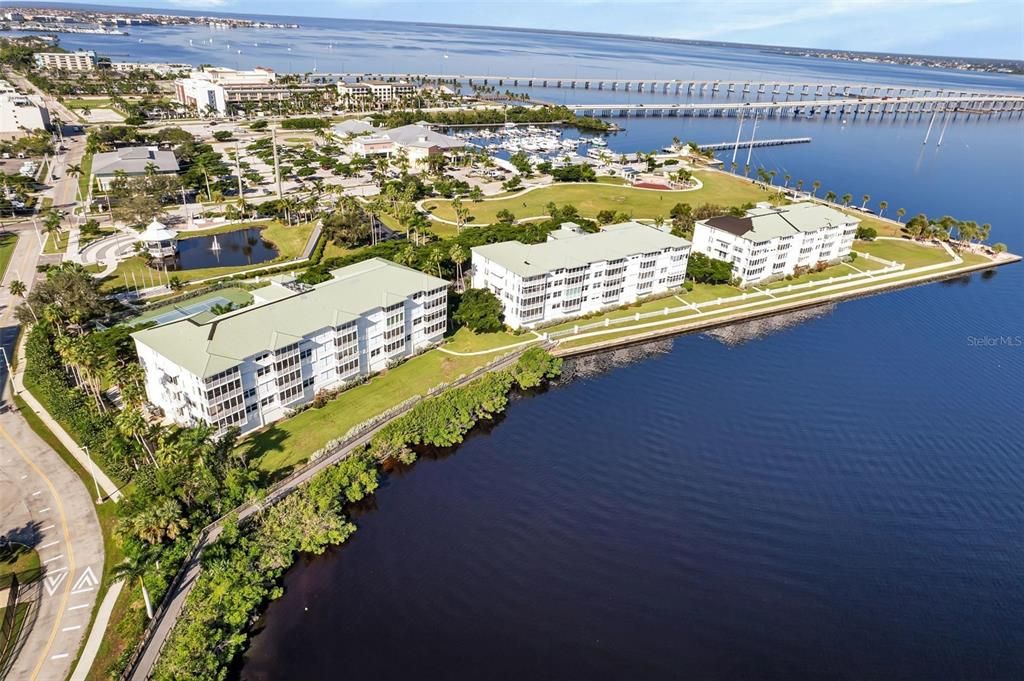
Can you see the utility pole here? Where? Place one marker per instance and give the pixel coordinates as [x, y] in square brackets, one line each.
[238, 171]
[736, 147]
[277, 166]
[750, 149]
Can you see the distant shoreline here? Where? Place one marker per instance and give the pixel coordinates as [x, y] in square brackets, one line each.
[980, 61]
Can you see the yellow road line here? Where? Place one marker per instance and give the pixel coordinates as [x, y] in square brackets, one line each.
[67, 542]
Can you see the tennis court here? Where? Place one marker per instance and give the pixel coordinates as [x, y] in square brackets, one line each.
[182, 311]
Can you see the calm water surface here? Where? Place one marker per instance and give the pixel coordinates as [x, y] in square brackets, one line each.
[240, 247]
[831, 495]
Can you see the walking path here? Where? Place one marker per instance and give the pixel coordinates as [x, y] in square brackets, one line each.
[491, 351]
[170, 609]
[829, 292]
[52, 510]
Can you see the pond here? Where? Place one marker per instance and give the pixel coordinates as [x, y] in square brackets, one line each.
[229, 249]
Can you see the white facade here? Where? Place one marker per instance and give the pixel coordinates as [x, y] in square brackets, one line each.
[771, 242]
[377, 91]
[159, 68]
[215, 90]
[575, 273]
[67, 61]
[20, 113]
[252, 367]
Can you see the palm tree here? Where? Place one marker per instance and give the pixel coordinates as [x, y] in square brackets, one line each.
[785, 179]
[733, 166]
[18, 289]
[203, 165]
[882, 205]
[75, 170]
[865, 198]
[900, 212]
[435, 259]
[847, 198]
[132, 568]
[771, 177]
[406, 255]
[830, 196]
[461, 213]
[816, 185]
[458, 256]
[799, 185]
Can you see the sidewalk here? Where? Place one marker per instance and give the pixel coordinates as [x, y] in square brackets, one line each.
[105, 483]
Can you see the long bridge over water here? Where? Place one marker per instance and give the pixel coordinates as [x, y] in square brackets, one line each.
[968, 105]
[670, 86]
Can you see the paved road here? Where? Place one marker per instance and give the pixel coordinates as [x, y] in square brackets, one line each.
[170, 609]
[47, 504]
[44, 501]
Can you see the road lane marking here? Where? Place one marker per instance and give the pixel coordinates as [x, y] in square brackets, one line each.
[50, 560]
[46, 546]
[79, 607]
[58, 656]
[77, 626]
[44, 510]
[37, 492]
[67, 540]
[48, 527]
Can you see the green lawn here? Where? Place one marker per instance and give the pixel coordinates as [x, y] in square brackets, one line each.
[57, 242]
[289, 442]
[20, 560]
[86, 177]
[7, 242]
[88, 103]
[910, 253]
[590, 199]
[465, 340]
[289, 242]
[752, 306]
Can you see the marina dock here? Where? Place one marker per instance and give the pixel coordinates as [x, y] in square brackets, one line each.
[745, 144]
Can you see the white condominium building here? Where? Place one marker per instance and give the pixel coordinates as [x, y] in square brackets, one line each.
[218, 90]
[66, 61]
[376, 91]
[250, 367]
[770, 242]
[575, 273]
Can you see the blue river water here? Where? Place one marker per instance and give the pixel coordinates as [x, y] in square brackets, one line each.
[836, 494]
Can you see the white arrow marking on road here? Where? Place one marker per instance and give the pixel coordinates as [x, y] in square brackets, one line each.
[86, 578]
[54, 581]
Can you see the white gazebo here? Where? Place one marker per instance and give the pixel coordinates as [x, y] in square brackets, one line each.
[159, 241]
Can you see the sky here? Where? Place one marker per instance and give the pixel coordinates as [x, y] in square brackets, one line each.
[968, 28]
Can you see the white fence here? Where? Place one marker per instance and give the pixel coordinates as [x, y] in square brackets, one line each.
[743, 297]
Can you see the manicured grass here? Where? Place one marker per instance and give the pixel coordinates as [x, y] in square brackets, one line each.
[289, 242]
[84, 103]
[86, 177]
[290, 442]
[57, 242]
[883, 227]
[7, 242]
[465, 340]
[753, 306]
[910, 253]
[590, 199]
[6, 648]
[21, 560]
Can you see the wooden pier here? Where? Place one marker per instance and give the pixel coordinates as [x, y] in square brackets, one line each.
[746, 144]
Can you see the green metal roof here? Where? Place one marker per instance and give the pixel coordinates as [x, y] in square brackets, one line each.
[568, 250]
[210, 347]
